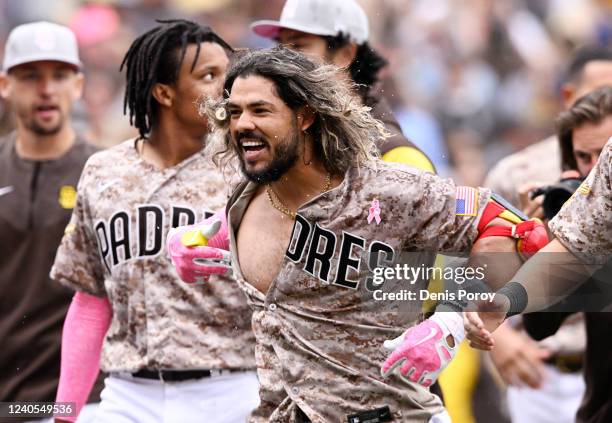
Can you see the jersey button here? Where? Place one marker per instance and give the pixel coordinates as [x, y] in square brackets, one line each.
[272, 307]
[295, 390]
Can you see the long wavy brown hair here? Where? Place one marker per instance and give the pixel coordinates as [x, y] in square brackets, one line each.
[344, 131]
[592, 108]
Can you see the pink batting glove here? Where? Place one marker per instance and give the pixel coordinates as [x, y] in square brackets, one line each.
[200, 250]
[422, 352]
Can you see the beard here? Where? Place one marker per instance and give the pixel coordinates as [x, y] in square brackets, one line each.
[284, 157]
[45, 131]
[42, 130]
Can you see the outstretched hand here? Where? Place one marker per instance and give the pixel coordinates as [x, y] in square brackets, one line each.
[482, 318]
[519, 359]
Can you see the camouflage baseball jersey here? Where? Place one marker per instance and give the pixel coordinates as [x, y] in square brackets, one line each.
[319, 332]
[115, 246]
[540, 162]
[584, 224]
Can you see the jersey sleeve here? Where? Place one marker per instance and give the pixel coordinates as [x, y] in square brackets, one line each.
[584, 224]
[444, 217]
[77, 262]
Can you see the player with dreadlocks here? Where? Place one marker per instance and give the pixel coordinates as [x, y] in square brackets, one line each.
[174, 352]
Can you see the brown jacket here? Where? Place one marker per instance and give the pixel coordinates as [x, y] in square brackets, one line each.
[36, 200]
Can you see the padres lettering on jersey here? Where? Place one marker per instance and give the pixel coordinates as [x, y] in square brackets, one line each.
[114, 247]
[321, 245]
[113, 234]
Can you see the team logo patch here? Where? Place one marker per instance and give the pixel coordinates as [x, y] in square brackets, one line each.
[584, 188]
[67, 197]
[466, 201]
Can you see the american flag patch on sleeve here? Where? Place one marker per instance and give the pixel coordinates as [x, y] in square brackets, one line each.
[466, 201]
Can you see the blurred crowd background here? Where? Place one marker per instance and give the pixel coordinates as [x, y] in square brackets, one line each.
[470, 80]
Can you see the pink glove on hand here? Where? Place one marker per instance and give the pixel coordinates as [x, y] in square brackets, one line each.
[422, 352]
[200, 250]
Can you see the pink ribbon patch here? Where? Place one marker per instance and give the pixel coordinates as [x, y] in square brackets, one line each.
[374, 212]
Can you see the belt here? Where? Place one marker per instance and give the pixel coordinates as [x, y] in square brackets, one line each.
[378, 415]
[181, 375]
[567, 363]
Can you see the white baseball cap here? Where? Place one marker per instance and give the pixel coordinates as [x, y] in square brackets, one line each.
[318, 17]
[38, 41]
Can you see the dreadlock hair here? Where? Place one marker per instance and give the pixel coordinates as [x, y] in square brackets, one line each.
[156, 57]
[365, 67]
[344, 132]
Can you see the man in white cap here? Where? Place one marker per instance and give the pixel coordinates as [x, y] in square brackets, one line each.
[40, 164]
[337, 32]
